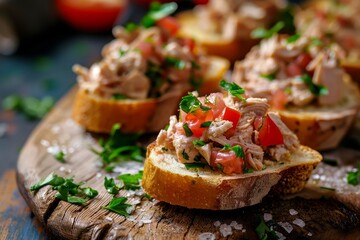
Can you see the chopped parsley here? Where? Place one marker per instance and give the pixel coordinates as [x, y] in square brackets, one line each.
[122, 52]
[239, 152]
[31, 107]
[233, 89]
[118, 96]
[205, 124]
[67, 190]
[158, 11]
[190, 103]
[194, 165]
[264, 232]
[185, 155]
[119, 206]
[199, 143]
[187, 130]
[270, 76]
[131, 181]
[331, 162]
[111, 187]
[267, 33]
[293, 38]
[60, 156]
[120, 147]
[353, 177]
[130, 27]
[317, 90]
[174, 62]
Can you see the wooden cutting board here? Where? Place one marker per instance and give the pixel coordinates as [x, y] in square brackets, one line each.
[334, 216]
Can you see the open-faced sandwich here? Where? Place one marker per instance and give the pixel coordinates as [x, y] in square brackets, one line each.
[224, 28]
[142, 76]
[226, 151]
[303, 80]
[334, 21]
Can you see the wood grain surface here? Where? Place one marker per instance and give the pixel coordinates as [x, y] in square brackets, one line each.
[336, 215]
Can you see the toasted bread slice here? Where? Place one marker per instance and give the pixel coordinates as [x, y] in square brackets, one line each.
[323, 128]
[97, 114]
[352, 67]
[212, 43]
[166, 179]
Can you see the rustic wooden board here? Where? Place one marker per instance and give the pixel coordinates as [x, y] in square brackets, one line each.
[336, 216]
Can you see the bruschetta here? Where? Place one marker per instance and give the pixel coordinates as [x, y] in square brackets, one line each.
[223, 28]
[304, 81]
[142, 76]
[225, 151]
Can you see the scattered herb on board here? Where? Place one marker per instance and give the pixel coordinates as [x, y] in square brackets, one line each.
[67, 190]
[233, 89]
[131, 181]
[353, 177]
[190, 103]
[263, 231]
[330, 161]
[31, 107]
[60, 156]
[111, 187]
[158, 11]
[317, 90]
[267, 33]
[119, 147]
[119, 206]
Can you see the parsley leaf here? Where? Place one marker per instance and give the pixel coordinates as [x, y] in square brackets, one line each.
[317, 90]
[174, 62]
[267, 33]
[187, 130]
[131, 181]
[190, 103]
[239, 152]
[111, 187]
[205, 124]
[60, 156]
[120, 147]
[130, 27]
[353, 177]
[269, 77]
[185, 155]
[293, 38]
[264, 232]
[199, 143]
[119, 206]
[233, 89]
[157, 12]
[194, 165]
[52, 179]
[118, 96]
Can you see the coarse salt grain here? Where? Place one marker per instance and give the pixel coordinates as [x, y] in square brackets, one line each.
[98, 175]
[108, 218]
[207, 236]
[217, 224]
[287, 226]
[280, 235]
[267, 217]
[309, 234]
[299, 222]
[225, 230]
[293, 212]
[146, 221]
[236, 225]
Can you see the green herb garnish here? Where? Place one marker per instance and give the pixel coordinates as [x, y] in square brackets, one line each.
[111, 187]
[190, 103]
[194, 165]
[267, 33]
[130, 27]
[174, 62]
[269, 77]
[119, 206]
[199, 143]
[353, 177]
[52, 179]
[131, 181]
[293, 38]
[118, 96]
[187, 130]
[205, 124]
[233, 89]
[60, 156]
[239, 152]
[264, 232]
[317, 90]
[158, 11]
[185, 155]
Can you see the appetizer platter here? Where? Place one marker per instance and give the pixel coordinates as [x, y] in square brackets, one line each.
[154, 143]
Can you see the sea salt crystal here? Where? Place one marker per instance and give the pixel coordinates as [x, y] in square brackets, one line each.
[217, 224]
[244, 230]
[267, 217]
[225, 230]
[61, 169]
[236, 225]
[309, 234]
[207, 236]
[299, 222]
[45, 143]
[98, 175]
[287, 226]
[280, 235]
[146, 221]
[293, 212]
[108, 218]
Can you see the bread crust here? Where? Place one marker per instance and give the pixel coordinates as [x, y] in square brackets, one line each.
[322, 128]
[352, 67]
[167, 180]
[214, 44]
[150, 115]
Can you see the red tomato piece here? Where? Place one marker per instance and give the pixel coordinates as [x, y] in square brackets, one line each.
[195, 119]
[293, 70]
[303, 60]
[189, 43]
[218, 106]
[201, 2]
[269, 133]
[231, 115]
[228, 160]
[146, 49]
[279, 100]
[170, 24]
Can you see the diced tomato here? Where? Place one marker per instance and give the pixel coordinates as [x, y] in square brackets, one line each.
[233, 116]
[201, 2]
[218, 106]
[228, 160]
[293, 70]
[279, 100]
[170, 24]
[195, 119]
[189, 43]
[146, 49]
[303, 60]
[269, 133]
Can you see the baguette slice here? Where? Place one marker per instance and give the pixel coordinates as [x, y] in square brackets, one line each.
[212, 43]
[167, 180]
[323, 128]
[352, 67]
[97, 114]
